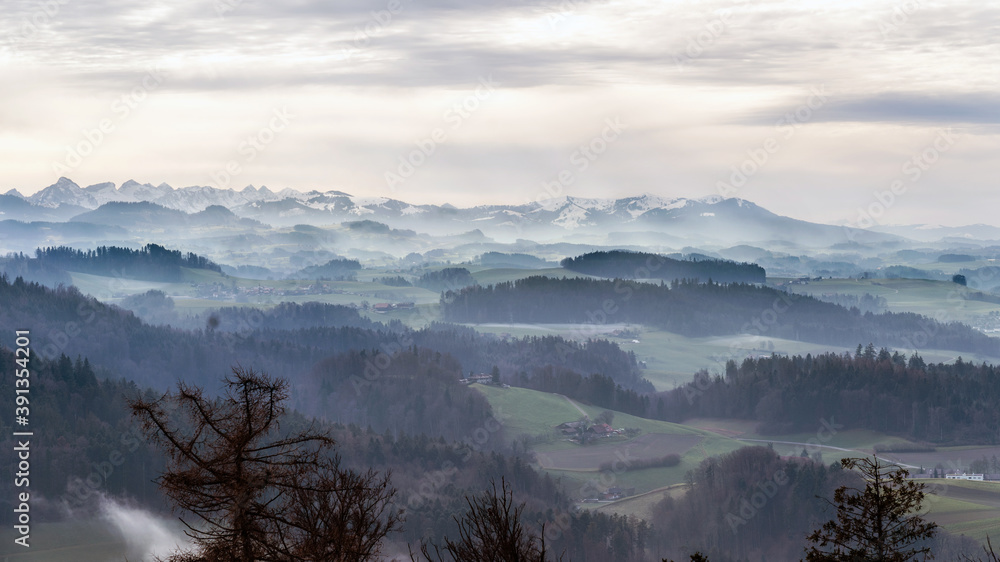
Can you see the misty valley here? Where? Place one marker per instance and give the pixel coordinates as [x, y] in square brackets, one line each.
[630, 379]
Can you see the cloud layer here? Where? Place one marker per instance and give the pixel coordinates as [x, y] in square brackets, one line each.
[188, 90]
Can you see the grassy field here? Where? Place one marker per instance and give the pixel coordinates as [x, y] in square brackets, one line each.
[528, 412]
[672, 360]
[641, 505]
[967, 508]
[859, 439]
[669, 359]
[943, 300]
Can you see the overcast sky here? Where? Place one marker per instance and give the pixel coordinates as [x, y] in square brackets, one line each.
[822, 105]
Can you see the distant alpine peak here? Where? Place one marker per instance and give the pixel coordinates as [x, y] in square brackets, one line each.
[567, 211]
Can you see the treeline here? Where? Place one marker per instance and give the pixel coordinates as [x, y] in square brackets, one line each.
[152, 262]
[447, 279]
[705, 309]
[864, 303]
[337, 269]
[624, 264]
[876, 390]
[397, 281]
[595, 389]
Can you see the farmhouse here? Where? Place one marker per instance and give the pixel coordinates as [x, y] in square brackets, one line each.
[481, 378]
[964, 476]
[572, 428]
[601, 429]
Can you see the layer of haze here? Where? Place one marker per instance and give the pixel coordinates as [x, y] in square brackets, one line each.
[696, 85]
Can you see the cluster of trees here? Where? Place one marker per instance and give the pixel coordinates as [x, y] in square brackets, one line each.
[596, 389]
[705, 309]
[447, 279]
[397, 281]
[748, 504]
[751, 504]
[153, 306]
[865, 303]
[624, 264]
[337, 269]
[872, 389]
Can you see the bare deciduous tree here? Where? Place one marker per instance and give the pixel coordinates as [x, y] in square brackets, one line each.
[491, 531]
[258, 495]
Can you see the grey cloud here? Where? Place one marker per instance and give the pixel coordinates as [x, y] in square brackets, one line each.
[915, 108]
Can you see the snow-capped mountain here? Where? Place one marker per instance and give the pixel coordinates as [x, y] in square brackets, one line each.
[640, 217]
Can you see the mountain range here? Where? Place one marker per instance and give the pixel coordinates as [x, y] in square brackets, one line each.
[643, 220]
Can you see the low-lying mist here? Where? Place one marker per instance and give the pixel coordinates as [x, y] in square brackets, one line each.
[145, 534]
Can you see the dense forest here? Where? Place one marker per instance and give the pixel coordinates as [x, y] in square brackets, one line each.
[152, 262]
[706, 309]
[88, 437]
[93, 449]
[624, 264]
[877, 390]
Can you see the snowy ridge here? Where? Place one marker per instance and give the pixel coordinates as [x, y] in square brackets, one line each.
[568, 213]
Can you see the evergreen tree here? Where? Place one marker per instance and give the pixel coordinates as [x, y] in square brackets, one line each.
[875, 524]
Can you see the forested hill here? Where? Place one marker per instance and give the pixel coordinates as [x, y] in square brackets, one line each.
[623, 264]
[92, 448]
[877, 390]
[152, 262]
[65, 321]
[706, 309]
